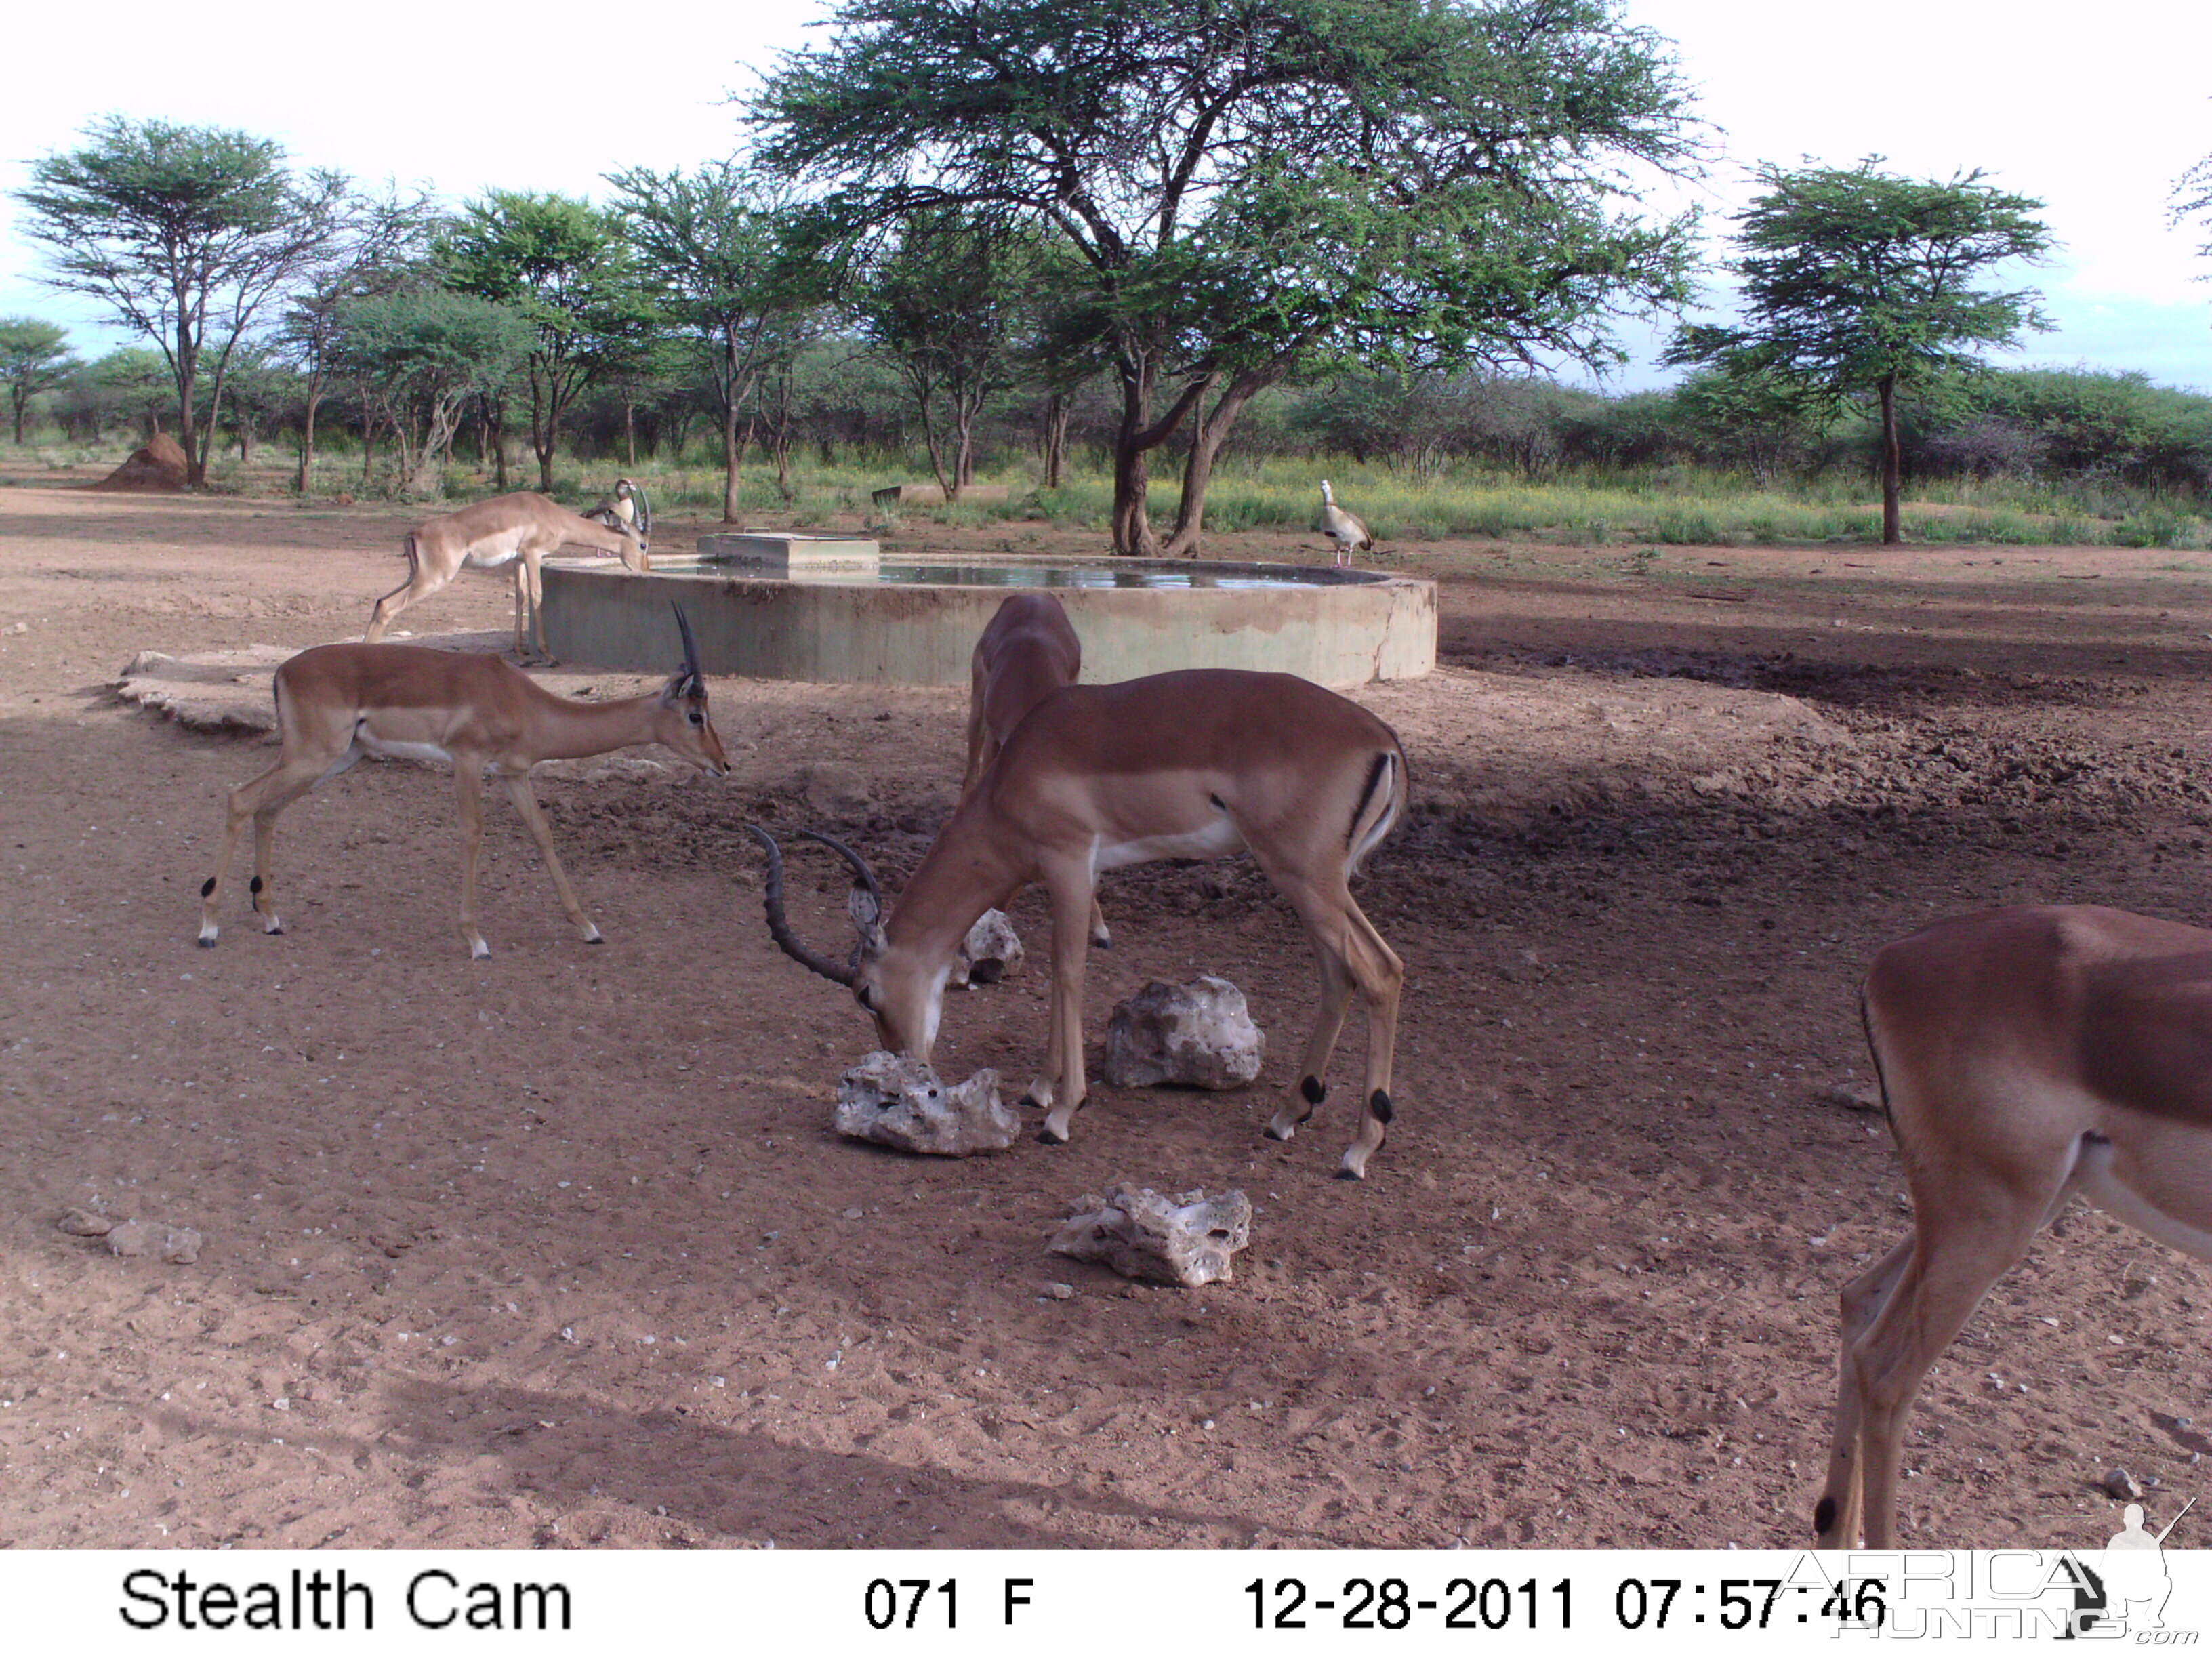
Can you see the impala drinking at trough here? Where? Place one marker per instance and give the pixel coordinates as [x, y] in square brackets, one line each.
[518, 530]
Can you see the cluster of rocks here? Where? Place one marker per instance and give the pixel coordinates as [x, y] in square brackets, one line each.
[134, 1237]
[1197, 1035]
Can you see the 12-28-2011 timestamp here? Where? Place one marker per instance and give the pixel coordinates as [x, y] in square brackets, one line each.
[1465, 1603]
[1498, 1604]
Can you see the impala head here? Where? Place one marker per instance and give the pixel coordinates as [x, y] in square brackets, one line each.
[686, 726]
[898, 986]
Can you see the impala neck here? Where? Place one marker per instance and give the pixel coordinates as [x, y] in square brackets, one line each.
[964, 873]
[568, 730]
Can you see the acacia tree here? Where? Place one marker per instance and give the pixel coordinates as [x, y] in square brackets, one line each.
[34, 357]
[380, 242]
[946, 302]
[565, 266]
[180, 231]
[714, 249]
[423, 354]
[1857, 283]
[1257, 188]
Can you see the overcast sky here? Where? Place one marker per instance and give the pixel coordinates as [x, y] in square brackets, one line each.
[2096, 110]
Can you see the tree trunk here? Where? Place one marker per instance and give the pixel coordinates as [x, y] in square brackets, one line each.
[965, 409]
[1055, 439]
[629, 431]
[1133, 530]
[21, 398]
[949, 486]
[301, 478]
[1209, 432]
[1892, 469]
[187, 433]
[730, 461]
[494, 424]
[1133, 443]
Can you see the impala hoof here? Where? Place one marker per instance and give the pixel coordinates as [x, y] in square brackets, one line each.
[207, 941]
[1350, 1175]
[1045, 1138]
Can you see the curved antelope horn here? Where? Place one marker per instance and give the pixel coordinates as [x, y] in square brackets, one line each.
[866, 905]
[690, 648]
[780, 928]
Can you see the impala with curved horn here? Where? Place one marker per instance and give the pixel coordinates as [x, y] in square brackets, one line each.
[2024, 1054]
[1195, 764]
[627, 508]
[337, 703]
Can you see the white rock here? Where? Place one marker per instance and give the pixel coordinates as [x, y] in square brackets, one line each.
[992, 952]
[179, 1244]
[1198, 1036]
[1187, 1240]
[898, 1101]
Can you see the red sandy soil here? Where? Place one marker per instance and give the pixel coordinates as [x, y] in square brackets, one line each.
[558, 1247]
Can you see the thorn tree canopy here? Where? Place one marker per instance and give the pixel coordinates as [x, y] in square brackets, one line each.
[177, 229]
[34, 357]
[1857, 282]
[713, 246]
[1257, 189]
[565, 266]
[2192, 199]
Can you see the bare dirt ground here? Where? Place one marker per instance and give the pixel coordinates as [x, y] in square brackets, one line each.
[558, 1249]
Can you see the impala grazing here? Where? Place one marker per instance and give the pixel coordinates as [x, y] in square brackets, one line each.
[518, 530]
[1196, 764]
[337, 703]
[2024, 1054]
[1027, 652]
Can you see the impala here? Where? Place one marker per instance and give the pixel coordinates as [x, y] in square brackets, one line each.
[518, 530]
[1027, 652]
[626, 509]
[337, 703]
[2024, 1054]
[1200, 764]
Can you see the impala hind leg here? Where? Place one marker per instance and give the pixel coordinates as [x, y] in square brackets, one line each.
[421, 583]
[530, 598]
[1836, 1518]
[1958, 1250]
[1063, 1086]
[261, 799]
[526, 802]
[1352, 956]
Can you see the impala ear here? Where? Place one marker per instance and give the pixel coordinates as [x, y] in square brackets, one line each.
[866, 907]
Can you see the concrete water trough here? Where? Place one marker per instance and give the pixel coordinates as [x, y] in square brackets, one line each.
[913, 619]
